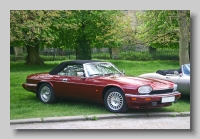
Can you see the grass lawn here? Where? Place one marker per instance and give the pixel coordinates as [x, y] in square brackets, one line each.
[24, 104]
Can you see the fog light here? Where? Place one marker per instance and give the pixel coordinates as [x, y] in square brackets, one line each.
[147, 99]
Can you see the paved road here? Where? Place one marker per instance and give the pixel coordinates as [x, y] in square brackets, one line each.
[116, 123]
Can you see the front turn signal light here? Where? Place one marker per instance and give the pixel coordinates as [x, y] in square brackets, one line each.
[133, 98]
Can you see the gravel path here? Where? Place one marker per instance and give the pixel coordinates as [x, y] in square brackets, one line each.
[119, 123]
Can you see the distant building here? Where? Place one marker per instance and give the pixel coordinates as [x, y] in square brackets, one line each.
[132, 15]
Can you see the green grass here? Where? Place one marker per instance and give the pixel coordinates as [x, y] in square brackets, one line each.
[135, 68]
[24, 104]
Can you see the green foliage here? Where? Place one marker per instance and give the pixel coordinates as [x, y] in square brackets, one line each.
[159, 28]
[18, 58]
[159, 54]
[94, 118]
[61, 28]
[135, 56]
[173, 115]
[101, 56]
[29, 27]
[44, 58]
[52, 58]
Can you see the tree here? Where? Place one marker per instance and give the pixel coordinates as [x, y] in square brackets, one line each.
[183, 40]
[30, 29]
[164, 28]
[70, 29]
[96, 28]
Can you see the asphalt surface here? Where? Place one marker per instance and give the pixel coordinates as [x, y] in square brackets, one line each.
[99, 116]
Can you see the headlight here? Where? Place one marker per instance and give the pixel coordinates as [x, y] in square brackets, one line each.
[144, 89]
[175, 87]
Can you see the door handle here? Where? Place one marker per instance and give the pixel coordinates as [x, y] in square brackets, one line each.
[64, 80]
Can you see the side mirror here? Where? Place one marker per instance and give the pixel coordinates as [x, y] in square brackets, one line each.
[83, 78]
[81, 74]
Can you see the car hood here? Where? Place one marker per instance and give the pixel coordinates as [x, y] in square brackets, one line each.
[134, 82]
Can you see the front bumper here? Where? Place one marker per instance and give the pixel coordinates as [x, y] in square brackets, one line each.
[151, 101]
[30, 87]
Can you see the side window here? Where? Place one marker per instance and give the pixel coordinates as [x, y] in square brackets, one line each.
[72, 70]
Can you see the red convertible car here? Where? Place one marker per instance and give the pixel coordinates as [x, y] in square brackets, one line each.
[101, 82]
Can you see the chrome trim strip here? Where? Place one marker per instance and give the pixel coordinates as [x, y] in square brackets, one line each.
[161, 95]
[76, 83]
[28, 84]
[151, 91]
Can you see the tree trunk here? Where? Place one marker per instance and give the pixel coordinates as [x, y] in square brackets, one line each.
[183, 37]
[33, 57]
[83, 51]
[110, 52]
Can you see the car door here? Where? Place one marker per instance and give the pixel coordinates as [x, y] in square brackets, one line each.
[74, 84]
[83, 88]
[63, 84]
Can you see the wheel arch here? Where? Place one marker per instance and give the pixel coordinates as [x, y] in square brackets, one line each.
[108, 87]
[40, 83]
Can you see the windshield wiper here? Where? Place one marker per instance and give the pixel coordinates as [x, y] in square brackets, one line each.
[110, 74]
[95, 74]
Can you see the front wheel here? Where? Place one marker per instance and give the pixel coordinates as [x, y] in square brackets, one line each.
[46, 93]
[114, 100]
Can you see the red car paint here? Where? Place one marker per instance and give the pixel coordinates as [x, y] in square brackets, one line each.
[93, 88]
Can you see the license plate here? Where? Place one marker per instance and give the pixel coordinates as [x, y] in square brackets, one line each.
[168, 99]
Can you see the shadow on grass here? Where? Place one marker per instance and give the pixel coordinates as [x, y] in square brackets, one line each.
[185, 98]
[80, 103]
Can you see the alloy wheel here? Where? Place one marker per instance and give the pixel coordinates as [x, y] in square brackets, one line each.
[115, 100]
[45, 93]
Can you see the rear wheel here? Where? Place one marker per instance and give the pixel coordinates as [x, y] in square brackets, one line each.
[114, 100]
[46, 93]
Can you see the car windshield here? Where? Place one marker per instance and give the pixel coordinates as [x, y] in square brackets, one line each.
[101, 69]
[186, 69]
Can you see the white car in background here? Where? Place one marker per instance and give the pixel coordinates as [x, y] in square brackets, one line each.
[179, 76]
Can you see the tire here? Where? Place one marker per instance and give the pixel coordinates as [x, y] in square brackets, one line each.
[46, 93]
[115, 101]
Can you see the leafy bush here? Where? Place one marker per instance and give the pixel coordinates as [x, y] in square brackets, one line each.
[159, 54]
[44, 58]
[16, 58]
[52, 58]
[135, 56]
[101, 56]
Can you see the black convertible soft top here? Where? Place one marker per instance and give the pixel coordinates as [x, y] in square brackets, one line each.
[170, 71]
[64, 64]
